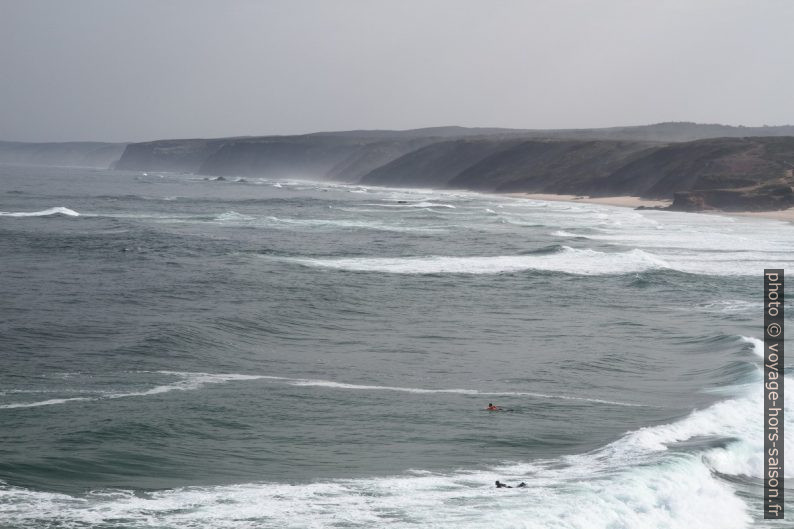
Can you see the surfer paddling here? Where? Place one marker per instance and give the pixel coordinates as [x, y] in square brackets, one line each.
[491, 407]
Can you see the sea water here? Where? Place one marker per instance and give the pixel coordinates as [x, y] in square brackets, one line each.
[182, 352]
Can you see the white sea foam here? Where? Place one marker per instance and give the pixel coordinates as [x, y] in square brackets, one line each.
[43, 213]
[347, 224]
[567, 260]
[730, 306]
[423, 204]
[639, 481]
[563, 233]
[233, 216]
[191, 381]
[679, 497]
[364, 387]
[758, 345]
[185, 382]
[48, 402]
[576, 261]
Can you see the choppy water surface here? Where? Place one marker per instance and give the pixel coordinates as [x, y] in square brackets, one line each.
[181, 352]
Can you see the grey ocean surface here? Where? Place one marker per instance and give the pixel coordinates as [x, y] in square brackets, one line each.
[184, 352]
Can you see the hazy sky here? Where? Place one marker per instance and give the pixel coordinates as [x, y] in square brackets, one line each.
[124, 70]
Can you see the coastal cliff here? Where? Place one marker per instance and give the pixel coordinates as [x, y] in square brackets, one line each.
[733, 172]
[168, 155]
[344, 156]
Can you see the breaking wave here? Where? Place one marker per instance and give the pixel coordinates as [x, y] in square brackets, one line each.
[677, 476]
[43, 213]
[192, 381]
[186, 382]
[567, 260]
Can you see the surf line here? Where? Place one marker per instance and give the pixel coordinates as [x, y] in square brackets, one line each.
[187, 381]
[773, 395]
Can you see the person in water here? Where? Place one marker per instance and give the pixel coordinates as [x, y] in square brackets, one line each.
[491, 407]
[500, 485]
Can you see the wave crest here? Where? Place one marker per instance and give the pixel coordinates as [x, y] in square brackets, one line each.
[566, 260]
[43, 213]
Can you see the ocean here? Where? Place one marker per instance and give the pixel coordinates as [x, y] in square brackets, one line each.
[185, 352]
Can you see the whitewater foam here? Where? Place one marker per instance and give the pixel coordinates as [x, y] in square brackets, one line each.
[341, 385]
[567, 260]
[636, 481]
[758, 345]
[48, 402]
[233, 216]
[640, 480]
[730, 306]
[189, 381]
[43, 213]
[350, 224]
[193, 381]
[423, 204]
[563, 233]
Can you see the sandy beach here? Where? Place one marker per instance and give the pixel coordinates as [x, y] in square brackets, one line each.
[784, 214]
[622, 201]
[633, 202]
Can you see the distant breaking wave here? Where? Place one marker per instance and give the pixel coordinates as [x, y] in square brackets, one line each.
[43, 213]
[758, 345]
[233, 216]
[413, 205]
[340, 385]
[646, 478]
[567, 260]
[189, 381]
[192, 381]
[563, 233]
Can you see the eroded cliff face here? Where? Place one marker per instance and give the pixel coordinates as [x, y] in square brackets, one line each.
[721, 163]
[439, 164]
[346, 155]
[288, 157]
[725, 173]
[551, 166]
[722, 173]
[168, 155]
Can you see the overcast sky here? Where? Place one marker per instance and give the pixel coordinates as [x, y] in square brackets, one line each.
[124, 70]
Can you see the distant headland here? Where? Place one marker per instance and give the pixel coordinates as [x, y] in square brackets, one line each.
[695, 167]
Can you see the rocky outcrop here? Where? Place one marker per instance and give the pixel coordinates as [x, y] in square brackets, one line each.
[770, 197]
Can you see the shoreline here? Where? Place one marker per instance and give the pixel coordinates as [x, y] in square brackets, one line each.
[786, 215]
[620, 201]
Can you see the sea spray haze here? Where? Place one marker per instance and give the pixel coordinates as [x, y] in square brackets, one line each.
[179, 352]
